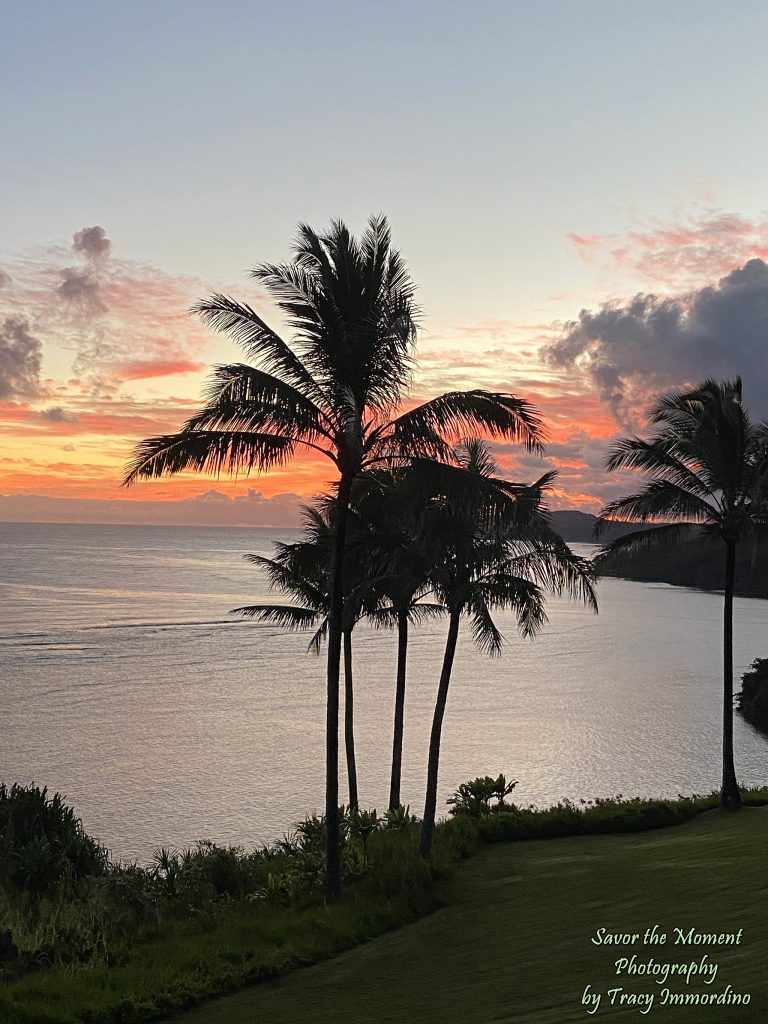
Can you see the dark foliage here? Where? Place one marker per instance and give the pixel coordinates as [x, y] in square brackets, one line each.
[42, 842]
[753, 699]
[692, 562]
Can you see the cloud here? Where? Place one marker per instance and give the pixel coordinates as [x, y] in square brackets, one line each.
[671, 255]
[56, 414]
[78, 285]
[113, 418]
[82, 285]
[92, 243]
[116, 320]
[631, 351]
[20, 359]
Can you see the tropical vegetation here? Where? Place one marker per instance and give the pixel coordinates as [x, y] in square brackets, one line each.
[706, 465]
[334, 389]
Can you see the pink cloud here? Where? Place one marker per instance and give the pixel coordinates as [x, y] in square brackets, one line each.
[677, 254]
[117, 319]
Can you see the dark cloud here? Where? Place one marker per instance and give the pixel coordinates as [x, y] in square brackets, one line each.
[79, 286]
[20, 360]
[57, 414]
[5, 279]
[82, 286]
[630, 352]
[92, 243]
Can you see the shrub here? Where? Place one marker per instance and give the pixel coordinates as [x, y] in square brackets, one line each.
[601, 816]
[61, 900]
[474, 797]
[42, 842]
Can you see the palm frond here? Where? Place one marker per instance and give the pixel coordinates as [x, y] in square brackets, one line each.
[660, 457]
[669, 534]
[294, 577]
[318, 637]
[486, 634]
[661, 499]
[285, 615]
[460, 413]
[245, 327]
[208, 451]
[239, 397]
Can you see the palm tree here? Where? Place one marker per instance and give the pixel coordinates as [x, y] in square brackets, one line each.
[398, 573]
[333, 390]
[706, 465]
[492, 548]
[300, 570]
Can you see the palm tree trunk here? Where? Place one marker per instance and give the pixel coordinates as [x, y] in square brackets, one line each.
[349, 721]
[730, 796]
[428, 824]
[397, 734]
[332, 822]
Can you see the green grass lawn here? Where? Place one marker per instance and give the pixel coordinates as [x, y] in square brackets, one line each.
[513, 941]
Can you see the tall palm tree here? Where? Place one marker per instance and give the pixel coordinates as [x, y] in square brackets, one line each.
[492, 548]
[707, 464]
[300, 570]
[332, 390]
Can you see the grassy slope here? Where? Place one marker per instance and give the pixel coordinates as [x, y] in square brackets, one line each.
[512, 944]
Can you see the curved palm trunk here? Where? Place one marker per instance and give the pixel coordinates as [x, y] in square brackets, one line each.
[349, 721]
[428, 824]
[332, 823]
[730, 796]
[397, 734]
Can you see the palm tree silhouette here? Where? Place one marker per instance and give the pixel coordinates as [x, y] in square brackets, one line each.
[707, 464]
[491, 548]
[300, 570]
[332, 390]
[398, 573]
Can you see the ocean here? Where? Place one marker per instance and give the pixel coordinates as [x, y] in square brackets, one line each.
[128, 686]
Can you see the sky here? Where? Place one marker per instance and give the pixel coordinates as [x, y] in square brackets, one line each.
[578, 189]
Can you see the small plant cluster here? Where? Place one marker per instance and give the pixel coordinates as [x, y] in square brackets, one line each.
[475, 797]
[753, 699]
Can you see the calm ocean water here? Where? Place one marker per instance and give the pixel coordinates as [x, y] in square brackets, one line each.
[128, 687]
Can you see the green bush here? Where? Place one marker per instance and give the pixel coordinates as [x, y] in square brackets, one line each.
[42, 842]
[61, 901]
[474, 797]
